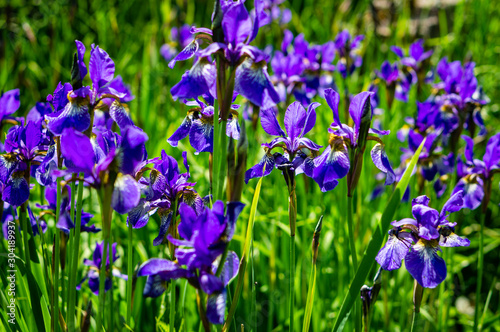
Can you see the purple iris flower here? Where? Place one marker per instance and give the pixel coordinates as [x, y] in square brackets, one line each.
[66, 222]
[199, 126]
[205, 238]
[302, 69]
[347, 144]
[475, 175]
[179, 37]
[271, 12]
[416, 55]
[72, 107]
[164, 190]
[108, 153]
[298, 151]
[418, 240]
[431, 160]
[396, 83]
[347, 47]
[248, 62]
[462, 98]
[26, 145]
[95, 267]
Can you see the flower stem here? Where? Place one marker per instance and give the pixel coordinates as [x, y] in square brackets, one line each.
[352, 243]
[292, 219]
[480, 267]
[352, 247]
[130, 273]
[172, 306]
[200, 302]
[55, 292]
[74, 260]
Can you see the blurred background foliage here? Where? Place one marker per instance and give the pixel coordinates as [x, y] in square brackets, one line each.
[36, 50]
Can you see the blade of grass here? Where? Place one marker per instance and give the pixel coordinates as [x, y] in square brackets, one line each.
[375, 243]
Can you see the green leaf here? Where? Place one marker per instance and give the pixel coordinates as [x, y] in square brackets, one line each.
[375, 243]
[244, 257]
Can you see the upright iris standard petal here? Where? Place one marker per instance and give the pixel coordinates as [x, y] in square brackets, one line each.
[424, 264]
[236, 24]
[101, 67]
[9, 103]
[381, 161]
[295, 118]
[270, 123]
[59, 98]
[81, 64]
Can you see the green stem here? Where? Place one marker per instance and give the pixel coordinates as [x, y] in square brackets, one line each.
[414, 321]
[352, 247]
[110, 295]
[292, 220]
[74, 259]
[352, 243]
[130, 273]
[55, 292]
[292, 280]
[172, 306]
[480, 267]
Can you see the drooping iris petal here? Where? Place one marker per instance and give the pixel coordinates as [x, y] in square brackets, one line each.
[188, 52]
[165, 218]
[126, 194]
[16, 191]
[473, 192]
[209, 283]
[253, 83]
[216, 307]
[8, 163]
[101, 67]
[263, 168]
[424, 264]
[201, 135]
[381, 161]
[197, 81]
[181, 132]
[230, 268]
[332, 165]
[139, 216]
[74, 115]
[453, 240]
[392, 253]
[78, 151]
[154, 287]
[120, 115]
[132, 148]
[469, 149]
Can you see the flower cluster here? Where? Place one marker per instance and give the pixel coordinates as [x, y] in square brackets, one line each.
[206, 235]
